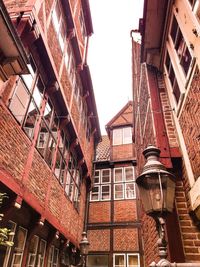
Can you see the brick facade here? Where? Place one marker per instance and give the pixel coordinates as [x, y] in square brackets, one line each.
[113, 225]
[166, 113]
[36, 175]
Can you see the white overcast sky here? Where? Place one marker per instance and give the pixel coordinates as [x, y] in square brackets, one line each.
[109, 54]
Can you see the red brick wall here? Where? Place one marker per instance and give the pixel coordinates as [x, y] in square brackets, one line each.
[99, 240]
[190, 123]
[125, 211]
[99, 212]
[125, 239]
[122, 152]
[14, 146]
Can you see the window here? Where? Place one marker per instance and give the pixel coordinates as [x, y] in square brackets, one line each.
[102, 188]
[26, 101]
[73, 181]
[19, 243]
[53, 257]
[41, 253]
[97, 261]
[178, 63]
[124, 183]
[5, 252]
[126, 260]
[122, 136]
[82, 24]
[180, 46]
[33, 251]
[174, 84]
[59, 26]
[195, 4]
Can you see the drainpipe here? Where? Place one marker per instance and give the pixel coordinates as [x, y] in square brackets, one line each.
[86, 51]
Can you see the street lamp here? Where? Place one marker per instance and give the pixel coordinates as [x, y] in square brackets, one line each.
[157, 192]
[156, 185]
[84, 247]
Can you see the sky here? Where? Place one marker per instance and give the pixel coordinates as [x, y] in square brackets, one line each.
[109, 54]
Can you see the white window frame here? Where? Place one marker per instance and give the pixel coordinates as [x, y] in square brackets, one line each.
[41, 257]
[102, 170]
[33, 254]
[126, 256]
[124, 183]
[58, 23]
[8, 249]
[109, 192]
[22, 250]
[122, 131]
[100, 185]
[182, 79]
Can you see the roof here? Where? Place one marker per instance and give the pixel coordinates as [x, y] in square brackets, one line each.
[103, 149]
[123, 117]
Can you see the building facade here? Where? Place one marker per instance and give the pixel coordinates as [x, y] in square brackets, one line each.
[113, 225]
[166, 107]
[48, 129]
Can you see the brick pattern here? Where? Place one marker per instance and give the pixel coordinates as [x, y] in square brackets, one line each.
[14, 146]
[190, 123]
[150, 238]
[39, 177]
[99, 240]
[144, 132]
[125, 211]
[167, 113]
[99, 212]
[190, 232]
[125, 239]
[122, 152]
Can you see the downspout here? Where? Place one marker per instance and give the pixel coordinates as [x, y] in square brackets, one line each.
[165, 31]
[133, 83]
[86, 51]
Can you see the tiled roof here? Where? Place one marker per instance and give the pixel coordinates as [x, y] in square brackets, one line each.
[103, 149]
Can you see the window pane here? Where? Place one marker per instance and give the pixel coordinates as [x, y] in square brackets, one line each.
[95, 193]
[19, 101]
[119, 261]
[118, 175]
[105, 176]
[119, 189]
[5, 251]
[32, 251]
[38, 93]
[176, 91]
[117, 136]
[97, 177]
[197, 8]
[97, 261]
[186, 59]
[58, 164]
[56, 17]
[174, 29]
[19, 243]
[105, 192]
[127, 135]
[55, 257]
[41, 253]
[133, 261]
[130, 190]
[129, 174]
[43, 138]
[31, 119]
[48, 112]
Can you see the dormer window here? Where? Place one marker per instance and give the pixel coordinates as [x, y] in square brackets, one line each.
[122, 136]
